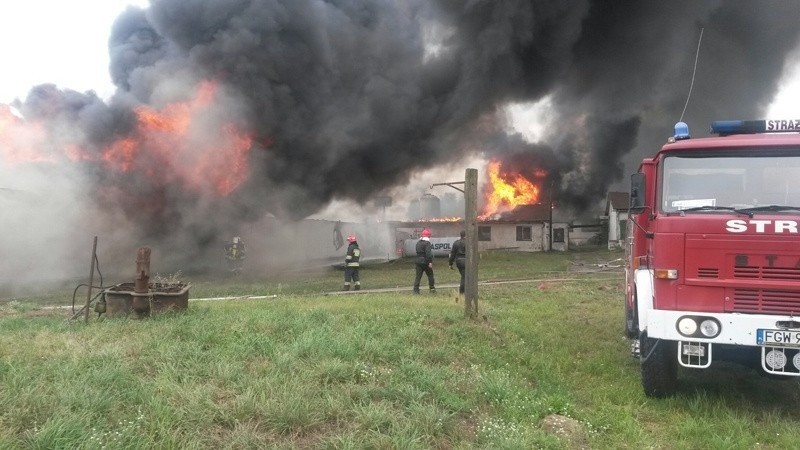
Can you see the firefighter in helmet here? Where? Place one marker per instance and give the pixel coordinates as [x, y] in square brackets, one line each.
[424, 262]
[235, 254]
[458, 255]
[351, 264]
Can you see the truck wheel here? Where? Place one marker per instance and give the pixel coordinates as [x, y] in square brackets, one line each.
[659, 366]
[631, 321]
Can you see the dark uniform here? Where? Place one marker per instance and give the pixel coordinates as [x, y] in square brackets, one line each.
[458, 254]
[351, 265]
[424, 263]
[235, 254]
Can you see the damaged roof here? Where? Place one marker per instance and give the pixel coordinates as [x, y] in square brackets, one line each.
[620, 201]
[526, 213]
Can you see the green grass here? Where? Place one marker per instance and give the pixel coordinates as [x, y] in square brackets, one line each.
[399, 273]
[374, 370]
[395, 274]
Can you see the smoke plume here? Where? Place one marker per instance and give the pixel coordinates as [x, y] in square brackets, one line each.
[348, 99]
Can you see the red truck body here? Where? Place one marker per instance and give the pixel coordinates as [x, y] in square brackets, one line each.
[713, 255]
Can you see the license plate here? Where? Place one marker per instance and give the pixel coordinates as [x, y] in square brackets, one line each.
[778, 338]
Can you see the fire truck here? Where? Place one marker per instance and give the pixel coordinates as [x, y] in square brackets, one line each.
[713, 252]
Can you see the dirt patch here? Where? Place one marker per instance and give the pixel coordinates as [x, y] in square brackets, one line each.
[568, 430]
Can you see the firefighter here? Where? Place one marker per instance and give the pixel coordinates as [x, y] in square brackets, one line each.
[351, 264]
[424, 262]
[458, 254]
[235, 254]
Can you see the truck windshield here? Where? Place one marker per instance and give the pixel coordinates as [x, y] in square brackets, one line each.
[710, 184]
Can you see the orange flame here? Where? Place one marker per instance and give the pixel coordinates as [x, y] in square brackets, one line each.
[182, 142]
[20, 141]
[507, 190]
[442, 219]
[216, 162]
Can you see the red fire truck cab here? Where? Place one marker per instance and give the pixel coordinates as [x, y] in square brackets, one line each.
[713, 254]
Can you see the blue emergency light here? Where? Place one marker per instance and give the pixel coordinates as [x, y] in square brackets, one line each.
[681, 131]
[726, 127]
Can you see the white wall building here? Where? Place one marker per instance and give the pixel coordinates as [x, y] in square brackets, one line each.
[617, 206]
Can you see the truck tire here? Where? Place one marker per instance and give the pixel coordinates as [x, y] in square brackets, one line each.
[631, 320]
[659, 363]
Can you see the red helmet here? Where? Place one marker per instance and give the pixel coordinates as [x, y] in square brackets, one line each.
[426, 233]
[351, 238]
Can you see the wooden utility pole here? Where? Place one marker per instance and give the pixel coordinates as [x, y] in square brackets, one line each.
[552, 230]
[471, 222]
[91, 282]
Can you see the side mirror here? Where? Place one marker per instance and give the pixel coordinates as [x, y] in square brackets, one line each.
[637, 201]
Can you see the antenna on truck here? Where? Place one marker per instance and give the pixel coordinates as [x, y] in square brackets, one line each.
[694, 71]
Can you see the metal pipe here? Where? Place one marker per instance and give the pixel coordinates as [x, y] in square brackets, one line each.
[451, 184]
[142, 283]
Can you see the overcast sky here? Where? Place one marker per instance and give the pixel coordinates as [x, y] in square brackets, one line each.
[66, 43]
[56, 41]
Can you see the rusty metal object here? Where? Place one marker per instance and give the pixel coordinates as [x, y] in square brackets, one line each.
[122, 300]
[142, 271]
[142, 298]
[140, 303]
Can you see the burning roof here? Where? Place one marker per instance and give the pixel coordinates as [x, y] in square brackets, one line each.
[227, 109]
[526, 213]
[535, 213]
[511, 185]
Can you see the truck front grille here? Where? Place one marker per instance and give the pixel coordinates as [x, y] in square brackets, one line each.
[707, 272]
[767, 273]
[766, 301]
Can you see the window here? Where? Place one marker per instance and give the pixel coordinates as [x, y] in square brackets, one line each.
[484, 233]
[558, 235]
[524, 233]
[708, 184]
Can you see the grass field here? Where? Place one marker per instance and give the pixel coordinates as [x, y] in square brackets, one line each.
[545, 366]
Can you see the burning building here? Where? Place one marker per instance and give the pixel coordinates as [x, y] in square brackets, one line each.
[516, 212]
[526, 228]
[227, 112]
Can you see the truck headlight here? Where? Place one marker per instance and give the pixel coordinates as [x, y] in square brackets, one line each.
[687, 326]
[698, 327]
[709, 328]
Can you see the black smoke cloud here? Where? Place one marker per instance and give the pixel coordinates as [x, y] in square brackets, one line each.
[349, 98]
[624, 76]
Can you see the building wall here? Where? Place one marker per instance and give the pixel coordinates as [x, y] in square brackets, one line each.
[564, 231]
[581, 234]
[615, 228]
[504, 236]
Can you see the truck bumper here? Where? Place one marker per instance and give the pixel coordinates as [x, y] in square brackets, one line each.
[780, 358]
